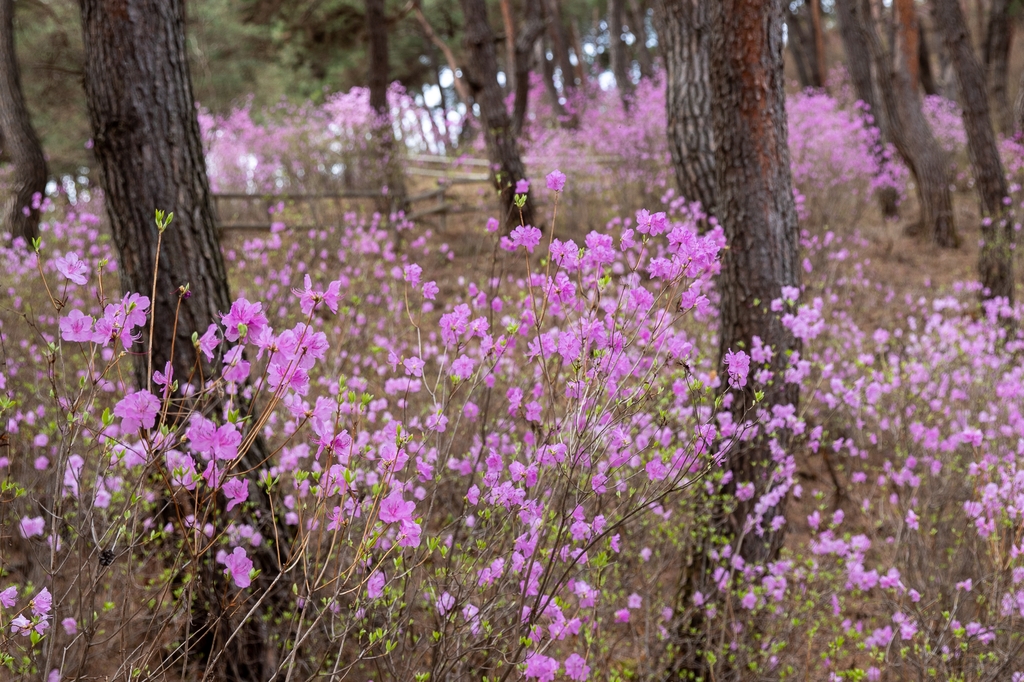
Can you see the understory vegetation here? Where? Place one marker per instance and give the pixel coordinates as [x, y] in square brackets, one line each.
[415, 453]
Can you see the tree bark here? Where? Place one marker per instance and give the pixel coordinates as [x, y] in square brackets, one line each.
[482, 77]
[684, 34]
[911, 134]
[996, 50]
[907, 36]
[995, 263]
[560, 45]
[532, 29]
[510, 44]
[638, 26]
[617, 47]
[377, 38]
[577, 47]
[819, 43]
[147, 141]
[148, 144]
[757, 212]
[924, 64]
[19, 213]
[805, 67]
[390, 168]
[1018, 108]
[858, 60]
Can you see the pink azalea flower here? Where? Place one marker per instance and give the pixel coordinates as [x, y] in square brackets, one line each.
[540, 667]
[237, 492]
[21, 626]
[526, 236]
[556, 181]
[395, 508]
[41, 603]
[31, 527]
[76, 326]
[244, 320]
[576, 668]
[137, 410]
[208, 342]
[240, 566]
[8, 597]
[375, 585]
[72, 268]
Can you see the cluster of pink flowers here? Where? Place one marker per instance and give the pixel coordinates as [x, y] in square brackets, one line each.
[522, 463]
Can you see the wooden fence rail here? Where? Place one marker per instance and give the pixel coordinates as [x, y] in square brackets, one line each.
[447, 176]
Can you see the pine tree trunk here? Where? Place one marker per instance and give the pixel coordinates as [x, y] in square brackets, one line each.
[684, 33]
[996, 52]
[924, 65]
[19, 214]
[482, 76]
[907, 36]
[757, 212]
[377, 38]
[819, 43]
[995, 264]
[532, 29]
[389, 166]
[805, 66]
[148, 144]
[1018, 108]
[858, 61]
[560, 45]
[638, 26]
[510, 45]
[911, 134]
[147, 141]
[620, 62]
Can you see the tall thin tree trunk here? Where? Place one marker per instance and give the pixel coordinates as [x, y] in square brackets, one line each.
[805, 63]
[389, 164]
[924, 64]
[148, 144]
[979, 17]
[532, 29]
[819, 43]
[911, 134]
[620, 62]
[510, 44]
[907, 36]
[565, 119]
[19, 213]
[1018, 108]
[684, 33]
[995, 263]
[757, 212]
[638, 26]
[858, 60]
[147, 141]
[560, 45]
[577, 48]
[996, 51]
[482, 76]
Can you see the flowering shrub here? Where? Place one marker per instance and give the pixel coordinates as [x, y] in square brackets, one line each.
[396, 462]
[477, 470]
[313, 147]
[833, 159]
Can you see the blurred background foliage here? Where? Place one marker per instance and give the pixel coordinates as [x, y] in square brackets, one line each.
[263, 51]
